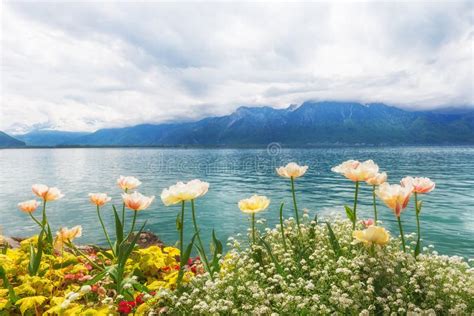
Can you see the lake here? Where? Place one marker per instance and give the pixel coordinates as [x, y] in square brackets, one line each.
[447, 216]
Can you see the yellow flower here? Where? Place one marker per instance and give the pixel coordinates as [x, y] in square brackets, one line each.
[378, 179]
[292, 170]
[32, 302]
[28, 206]
[99, 199]
[128, 183]
[254, 204]
[65, 235]
[394, 196]
[137, 201]
[372, 235]
[356, 170]
[419, 185]
[184, 192]
[46, 193]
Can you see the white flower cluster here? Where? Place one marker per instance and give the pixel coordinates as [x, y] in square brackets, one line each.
[305, 275]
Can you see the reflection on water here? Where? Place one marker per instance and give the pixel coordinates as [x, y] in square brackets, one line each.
[234, 174]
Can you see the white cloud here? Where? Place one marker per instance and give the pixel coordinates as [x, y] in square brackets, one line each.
[74, 66]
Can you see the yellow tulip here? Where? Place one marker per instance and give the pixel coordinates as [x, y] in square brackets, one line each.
[128, 183]
[184, 192]
[372, 235]
[137, 201]
[254, 204]
[28, 206]
[99, 199]
[292, 170]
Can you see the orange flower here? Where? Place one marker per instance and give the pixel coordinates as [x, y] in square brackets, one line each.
[394, 196]
[356, 170]
[128, 183]
[28, 206]
[99, 199]
[419, 185]
[137, 201]
[46, 193]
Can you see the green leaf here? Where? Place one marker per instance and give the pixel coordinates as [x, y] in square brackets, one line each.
[178, 222]
[417, 248]
[118, 230]
[217, 251]
[11, 292]
[333, 241]
[129, 248]
[419, 206]
[349, 213]
[270, 254]
[97, 277]
[184, 258]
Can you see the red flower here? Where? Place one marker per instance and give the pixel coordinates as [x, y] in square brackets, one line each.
[139, 299]
[126, 307]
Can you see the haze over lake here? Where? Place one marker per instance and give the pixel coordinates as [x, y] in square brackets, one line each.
[234, 174]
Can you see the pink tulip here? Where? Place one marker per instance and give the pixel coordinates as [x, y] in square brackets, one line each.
[368, 222]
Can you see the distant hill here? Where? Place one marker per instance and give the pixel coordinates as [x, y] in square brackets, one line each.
[49, 138]
[8, 141]
[311, 124]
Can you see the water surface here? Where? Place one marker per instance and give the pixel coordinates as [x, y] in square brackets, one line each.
[233, 174]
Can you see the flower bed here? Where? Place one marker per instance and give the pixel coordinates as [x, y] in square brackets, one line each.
[302, 266]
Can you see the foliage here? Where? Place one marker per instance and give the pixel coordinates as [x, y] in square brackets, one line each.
[320, 276]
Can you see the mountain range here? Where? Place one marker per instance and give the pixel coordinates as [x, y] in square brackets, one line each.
[310, 124]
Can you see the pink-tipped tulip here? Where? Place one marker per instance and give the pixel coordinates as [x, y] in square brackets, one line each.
[137, 201]
[356, 170]
[46, 193]
[99, 199]
[419, 185]
[394, 196]
[28, 206]
[128, 183]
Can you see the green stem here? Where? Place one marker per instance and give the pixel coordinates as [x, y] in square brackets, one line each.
[417, 212]
[401, 232]
[36, 220]
[375, 205]
[123, 211]
[196, 230]
[105, 230]
[355, 205]
[253, 229]
[281, 226]
[294, 204]
[95, 265]
[181, 246]
[133, 223]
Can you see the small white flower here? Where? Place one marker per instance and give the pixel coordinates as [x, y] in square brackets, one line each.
[65, 304]
[85, 289]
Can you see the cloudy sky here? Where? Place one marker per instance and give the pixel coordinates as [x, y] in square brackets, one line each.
[83, 66]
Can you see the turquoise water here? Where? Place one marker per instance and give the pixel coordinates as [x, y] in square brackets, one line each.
[233, 174]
